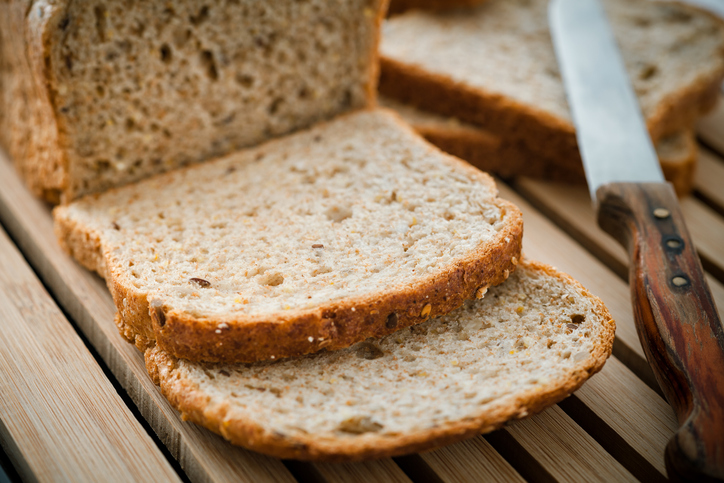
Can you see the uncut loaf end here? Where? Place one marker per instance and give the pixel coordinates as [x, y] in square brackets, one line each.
[355, 228]
[527, 344]
[100, 94]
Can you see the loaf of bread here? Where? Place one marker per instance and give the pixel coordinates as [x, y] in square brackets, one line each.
[491, 153]
[494, 66]
[355, 228]
[527, 344]
[96, 95]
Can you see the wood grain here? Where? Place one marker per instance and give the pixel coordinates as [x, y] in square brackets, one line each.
[677, 322]
[60, 417]
[477, 455]
[565, 451]
[204, 456]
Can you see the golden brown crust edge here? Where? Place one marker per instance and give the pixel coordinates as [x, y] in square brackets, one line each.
[330, 326]
[194, 406]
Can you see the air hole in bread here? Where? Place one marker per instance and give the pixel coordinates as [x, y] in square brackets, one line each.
[338, 213]
[209, 64]
[359, 425]
[201, 16]
[244, 80]
[647, 72]
[578, 318]
[166, 54]
[100, 14]
[272, 279]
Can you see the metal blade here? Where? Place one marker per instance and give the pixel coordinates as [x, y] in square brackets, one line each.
[612, 136]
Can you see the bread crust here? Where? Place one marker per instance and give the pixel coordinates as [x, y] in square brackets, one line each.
[292, 333]
[194, 406]
[30, 130]
[539, 131]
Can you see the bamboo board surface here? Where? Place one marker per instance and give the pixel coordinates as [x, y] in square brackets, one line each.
[613, 429]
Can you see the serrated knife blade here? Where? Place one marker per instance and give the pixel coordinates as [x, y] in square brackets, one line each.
[676, 320]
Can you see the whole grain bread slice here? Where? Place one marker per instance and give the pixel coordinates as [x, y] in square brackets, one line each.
[527, 344]
[494, 154]
[355, 228]
[494, 66]
[101, 94]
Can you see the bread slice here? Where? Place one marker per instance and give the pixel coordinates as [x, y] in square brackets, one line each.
[99, 95]
[399, 6]
[527, 344]
[353, 229]
[484, 150]
[494, 66]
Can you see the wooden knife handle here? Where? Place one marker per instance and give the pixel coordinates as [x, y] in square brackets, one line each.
[676, 320]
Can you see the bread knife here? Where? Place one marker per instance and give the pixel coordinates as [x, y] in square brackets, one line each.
[676, 319]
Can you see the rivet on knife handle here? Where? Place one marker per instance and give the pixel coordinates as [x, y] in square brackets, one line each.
[676, 320]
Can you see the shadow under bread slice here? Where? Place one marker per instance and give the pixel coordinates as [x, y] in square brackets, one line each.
[529, 343]
[355, 228]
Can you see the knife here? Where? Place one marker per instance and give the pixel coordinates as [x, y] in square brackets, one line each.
[676, 319]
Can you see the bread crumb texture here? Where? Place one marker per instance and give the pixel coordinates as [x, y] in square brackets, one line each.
[527, 344]
[359, 207]
[503, 47]
[143, 87]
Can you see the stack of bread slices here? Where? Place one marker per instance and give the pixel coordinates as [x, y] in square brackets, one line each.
[331, 287]
[482, 82]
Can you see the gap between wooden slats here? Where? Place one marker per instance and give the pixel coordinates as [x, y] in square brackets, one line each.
[204, 456]
[60, 417]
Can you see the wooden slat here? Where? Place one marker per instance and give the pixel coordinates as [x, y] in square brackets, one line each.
[60, 417]
[565, 451]
[634, 411]
[570, 208]
[204, 456]
[709, 178]
[481, 463]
